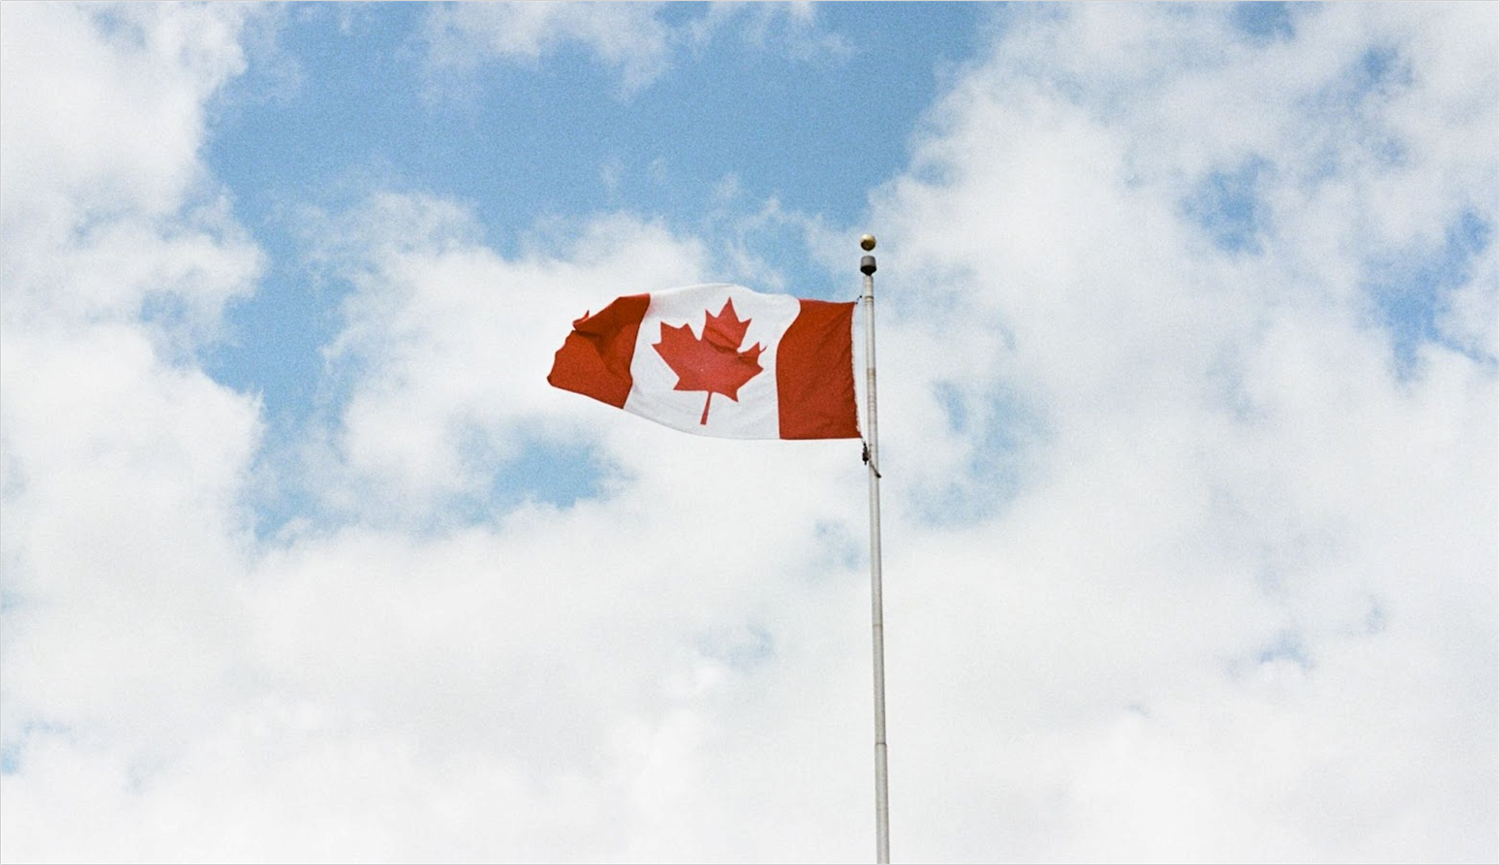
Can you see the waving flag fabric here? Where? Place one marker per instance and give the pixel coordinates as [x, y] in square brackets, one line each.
[719, 360]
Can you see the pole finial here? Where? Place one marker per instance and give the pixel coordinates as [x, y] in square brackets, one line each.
[867, 243]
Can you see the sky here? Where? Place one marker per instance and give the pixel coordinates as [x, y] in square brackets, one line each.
[1189, 434]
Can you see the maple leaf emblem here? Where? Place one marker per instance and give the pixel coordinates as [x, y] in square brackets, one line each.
[713, 363]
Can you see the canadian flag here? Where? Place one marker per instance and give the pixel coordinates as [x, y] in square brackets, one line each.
[719, 360]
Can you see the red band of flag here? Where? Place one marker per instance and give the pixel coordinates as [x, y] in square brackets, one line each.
[719, 360]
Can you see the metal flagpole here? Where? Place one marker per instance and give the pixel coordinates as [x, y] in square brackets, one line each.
[872, 462]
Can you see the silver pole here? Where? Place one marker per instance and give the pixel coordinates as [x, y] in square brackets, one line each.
[877, 626]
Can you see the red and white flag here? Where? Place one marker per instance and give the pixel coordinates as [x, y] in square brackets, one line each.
[719, 360]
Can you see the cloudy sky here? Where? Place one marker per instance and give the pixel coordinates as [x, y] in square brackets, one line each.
[1189, 408]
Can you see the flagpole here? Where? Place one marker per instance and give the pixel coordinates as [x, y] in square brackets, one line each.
[877, 626]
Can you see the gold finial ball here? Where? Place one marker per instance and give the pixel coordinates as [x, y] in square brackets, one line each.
[867, 242]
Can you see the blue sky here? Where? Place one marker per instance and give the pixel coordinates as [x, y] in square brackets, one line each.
[1190, 433]
[736, 123]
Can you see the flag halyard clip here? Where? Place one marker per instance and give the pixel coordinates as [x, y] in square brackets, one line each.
[866, 457]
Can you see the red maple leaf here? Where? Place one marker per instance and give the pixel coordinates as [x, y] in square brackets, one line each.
[713, 363]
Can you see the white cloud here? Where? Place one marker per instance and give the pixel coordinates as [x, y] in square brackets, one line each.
[1227, 485]
[106, 205]
[627, 36]
[105, 105]
[450, 345]
[1179, 564]
[635, 39]
[124, 539]
[792, 28]
[1472, 315]
[123, 464]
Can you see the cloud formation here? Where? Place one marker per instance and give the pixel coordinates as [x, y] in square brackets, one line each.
[1243, 532]
[638, 40]
[1191, 549]
[630, 37]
